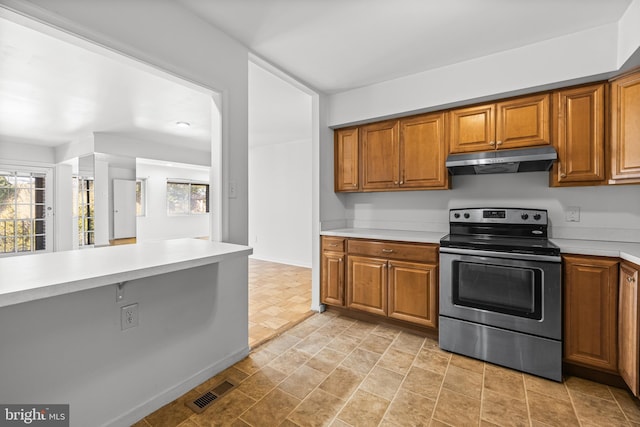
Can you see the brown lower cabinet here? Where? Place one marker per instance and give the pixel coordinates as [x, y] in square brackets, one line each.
[628, 345]
[591, 312]
[395, 280]
[332, 270]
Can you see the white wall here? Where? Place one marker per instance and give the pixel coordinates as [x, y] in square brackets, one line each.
[101, 202]
[26, 152]
[156, 224]
[192, 49]
[280, 202]
[606, 212]
[568, 58]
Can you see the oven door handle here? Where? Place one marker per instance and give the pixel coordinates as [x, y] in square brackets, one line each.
[506, 255]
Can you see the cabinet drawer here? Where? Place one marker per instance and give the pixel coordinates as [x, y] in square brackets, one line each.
[333, 244]
[404, 251]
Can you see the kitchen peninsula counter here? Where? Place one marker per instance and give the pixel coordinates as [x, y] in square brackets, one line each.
[36, 276]
[64, 328]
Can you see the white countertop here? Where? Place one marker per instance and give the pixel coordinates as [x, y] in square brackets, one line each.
[36, 276]
[382, 234]
[624, 250]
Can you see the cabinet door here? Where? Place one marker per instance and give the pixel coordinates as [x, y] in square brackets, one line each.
[629, 356]
[472, 129]
[380, 155]
[591, 307]
[523, 122]
[578, 127]
[413, 292]
[367, 284]
[346, 160]
[625, 129]
[423, 152]
[332, 282]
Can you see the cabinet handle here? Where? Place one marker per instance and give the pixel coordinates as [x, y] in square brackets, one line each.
[499, 143]
[387, 251]
[630, 279]
[492, 143]
[333, 245]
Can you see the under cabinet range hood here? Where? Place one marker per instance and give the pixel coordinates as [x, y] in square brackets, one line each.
[502, 161]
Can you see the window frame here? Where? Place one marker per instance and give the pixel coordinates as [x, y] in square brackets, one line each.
[189, 183]
[143, 197]
[46, 204]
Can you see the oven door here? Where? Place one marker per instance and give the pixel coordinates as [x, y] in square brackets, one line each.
[493, 289]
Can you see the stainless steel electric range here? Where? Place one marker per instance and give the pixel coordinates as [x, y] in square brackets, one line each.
[500, 289]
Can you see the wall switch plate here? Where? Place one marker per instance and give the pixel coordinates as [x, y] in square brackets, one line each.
[233, 190]
[572, 214]
[129, 316]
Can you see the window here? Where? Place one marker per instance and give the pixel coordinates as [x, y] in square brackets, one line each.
[141, 197]
[22, 212]
[84, 209]
[187, 198]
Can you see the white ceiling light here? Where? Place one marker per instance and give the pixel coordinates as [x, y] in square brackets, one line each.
[183, 124]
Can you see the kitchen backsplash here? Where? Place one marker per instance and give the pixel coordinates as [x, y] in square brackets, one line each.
[605, 212]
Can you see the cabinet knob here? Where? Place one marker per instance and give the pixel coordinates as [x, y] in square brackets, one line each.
[401, 182]
[630, 279]
[563, 175]
[339, 259]
[499, 143]
[492, 143]
[395, 182]
[355, 185]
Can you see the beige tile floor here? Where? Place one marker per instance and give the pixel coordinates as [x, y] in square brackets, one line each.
[334, 371]
[279, 297]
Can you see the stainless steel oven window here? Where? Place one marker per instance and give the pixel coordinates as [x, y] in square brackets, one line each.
[515, 291]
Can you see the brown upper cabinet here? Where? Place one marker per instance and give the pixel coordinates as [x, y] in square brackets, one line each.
[423, 152]
[346, 169]
[516, 123]
[404, 154]
[579, 131]
[625, 129]
[380, 144]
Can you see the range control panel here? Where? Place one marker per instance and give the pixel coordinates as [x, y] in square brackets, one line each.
[499, 216]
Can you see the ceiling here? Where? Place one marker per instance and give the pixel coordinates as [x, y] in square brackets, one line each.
[53, 92]
[339, 45]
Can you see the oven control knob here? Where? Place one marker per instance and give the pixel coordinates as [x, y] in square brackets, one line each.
[466, 215]
[524, 216]
[456, 215]
[537, 217]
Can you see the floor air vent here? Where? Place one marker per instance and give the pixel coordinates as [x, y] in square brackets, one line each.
[207, 398]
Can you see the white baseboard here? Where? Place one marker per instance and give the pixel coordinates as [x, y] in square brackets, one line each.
[174, 392]
[280, 261]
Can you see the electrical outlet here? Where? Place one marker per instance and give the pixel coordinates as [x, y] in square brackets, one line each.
[129, 316]
[572, 214]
